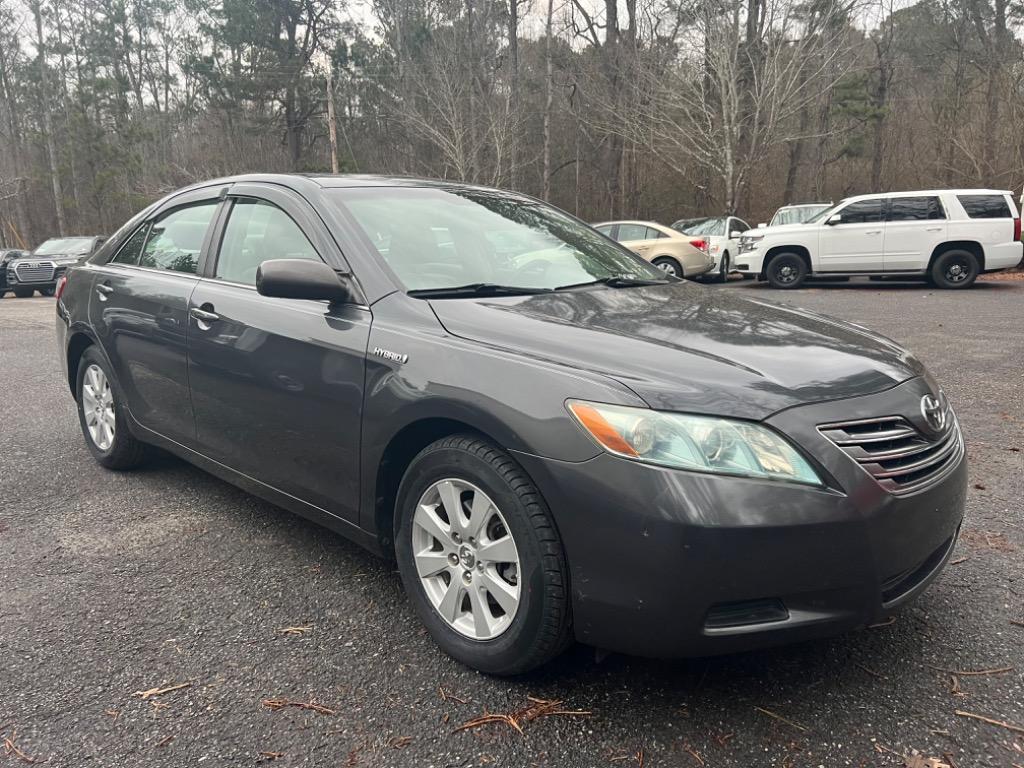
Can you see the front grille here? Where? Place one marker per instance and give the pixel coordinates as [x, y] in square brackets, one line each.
[35, 272]
[899, 456]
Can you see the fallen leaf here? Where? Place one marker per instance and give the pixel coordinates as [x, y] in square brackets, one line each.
[160, 691]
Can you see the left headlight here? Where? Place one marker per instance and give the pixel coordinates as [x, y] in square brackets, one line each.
[701, 443]
[749, 242]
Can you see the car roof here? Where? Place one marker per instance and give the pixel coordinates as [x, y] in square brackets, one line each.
[920, 192]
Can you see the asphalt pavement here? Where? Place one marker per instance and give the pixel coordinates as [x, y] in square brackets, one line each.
[163, 617]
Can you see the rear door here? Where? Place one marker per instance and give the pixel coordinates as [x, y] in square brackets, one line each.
[639, 238]
[913, 227]
[277, 384]
[855, 243]
[139, 309]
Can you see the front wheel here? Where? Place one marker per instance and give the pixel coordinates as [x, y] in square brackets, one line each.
[24, 293]
[955, 269]
[787, 270]
[48, 291]
[480, 557]
[668, 265]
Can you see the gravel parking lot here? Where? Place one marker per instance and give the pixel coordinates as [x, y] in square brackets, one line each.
[117, 584]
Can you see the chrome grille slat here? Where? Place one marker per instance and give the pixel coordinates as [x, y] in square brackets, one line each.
[910, 462]
[35, 272]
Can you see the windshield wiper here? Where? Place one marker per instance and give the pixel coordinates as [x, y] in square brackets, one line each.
[617, 282]
[475, 289]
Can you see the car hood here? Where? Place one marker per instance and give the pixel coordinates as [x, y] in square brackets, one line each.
[682, 347]
[778, 229]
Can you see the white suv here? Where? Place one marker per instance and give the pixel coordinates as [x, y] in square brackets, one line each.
[946, 236]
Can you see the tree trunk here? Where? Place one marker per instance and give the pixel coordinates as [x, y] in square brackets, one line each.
[549, 89]
[51, 147]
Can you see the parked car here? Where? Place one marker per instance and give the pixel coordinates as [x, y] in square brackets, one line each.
[663, 246]
[564, 445]
[7, 255]
[722, 233]
[41, 269]
[948, 237]
[797, 213]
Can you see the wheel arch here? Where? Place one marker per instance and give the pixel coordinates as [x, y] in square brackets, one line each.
[403, 446]
[971, 246]
[78, 342]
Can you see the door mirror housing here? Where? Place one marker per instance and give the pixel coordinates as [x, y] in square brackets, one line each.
[835, 218]
[762, 225]
[302, 279]
[735, 235]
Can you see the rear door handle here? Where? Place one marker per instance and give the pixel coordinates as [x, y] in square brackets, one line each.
[874, 232]
[933, 229]
[104, 291]
[203, 318]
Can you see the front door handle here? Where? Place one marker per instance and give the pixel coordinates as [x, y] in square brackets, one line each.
[933, 229]
[874, 232]
[203, 318]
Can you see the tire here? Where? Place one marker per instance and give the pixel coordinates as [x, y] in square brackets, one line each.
[723, 268]
[536, 625]
[48, 291]
[955, 268]
[117, 448]
[668, 265]
[24, 293]
[785, 271]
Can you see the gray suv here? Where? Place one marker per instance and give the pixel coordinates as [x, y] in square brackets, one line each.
[554, 439]
[43, 268]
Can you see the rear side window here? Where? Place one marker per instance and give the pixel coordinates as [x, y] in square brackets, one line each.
[258, 231]
[861, 212]
[132, 249]
[985, 206]
[605, 230]
[915, 209]
[176, 238]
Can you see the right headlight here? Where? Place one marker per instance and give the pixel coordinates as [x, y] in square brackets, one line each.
[749, 242]
[701, 443]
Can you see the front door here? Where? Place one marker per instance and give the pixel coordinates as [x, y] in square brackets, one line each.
[277, 384]
[139, 310]
[855, 242]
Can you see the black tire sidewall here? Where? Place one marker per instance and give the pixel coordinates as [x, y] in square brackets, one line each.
[938, 271]
[780, 260]
[504, 652]
[723, 268]
[23, 293]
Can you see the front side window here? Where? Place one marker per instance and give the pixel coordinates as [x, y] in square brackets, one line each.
[176, 238]
[915, 209]
[630, 232]
[861, 212]
[495, 238]
[258, 231]
[130, 252]
[985, 206]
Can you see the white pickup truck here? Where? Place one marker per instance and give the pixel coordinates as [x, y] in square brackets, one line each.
[948, 237]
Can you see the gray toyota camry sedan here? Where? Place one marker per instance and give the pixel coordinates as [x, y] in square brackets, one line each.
[553, 440]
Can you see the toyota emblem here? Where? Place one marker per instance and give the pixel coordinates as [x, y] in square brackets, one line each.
[934, 412]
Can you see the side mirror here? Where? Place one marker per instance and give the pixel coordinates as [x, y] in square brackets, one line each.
[735, 235]
[835, 218]
[762, 225]
[301, 279]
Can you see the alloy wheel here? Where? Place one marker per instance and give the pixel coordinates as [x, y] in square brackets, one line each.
[786, 273]
[98, 407]
[668, 267]
[466, 559]
[957, 271]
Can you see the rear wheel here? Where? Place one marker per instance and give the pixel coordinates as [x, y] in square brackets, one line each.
[24, 293]
[955, 269]
[102, 415]
[480, 557]
[668, 265]
[786, 270]
[723, 268]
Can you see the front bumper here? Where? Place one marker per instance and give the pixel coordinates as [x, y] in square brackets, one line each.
[750, 262]
[658, 556]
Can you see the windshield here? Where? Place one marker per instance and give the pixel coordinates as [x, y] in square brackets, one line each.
[73, 246]
[708, 227]
[822, 215]
[797, 214]
[442, 238]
